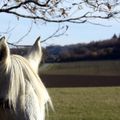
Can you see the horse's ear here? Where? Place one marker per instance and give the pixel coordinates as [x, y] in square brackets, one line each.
[4, 50]
[34, 55]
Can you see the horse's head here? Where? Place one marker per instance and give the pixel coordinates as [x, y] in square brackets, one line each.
[16, 71]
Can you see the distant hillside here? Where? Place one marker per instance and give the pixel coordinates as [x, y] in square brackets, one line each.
[101, 50]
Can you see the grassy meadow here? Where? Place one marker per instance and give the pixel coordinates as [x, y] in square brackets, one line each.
[82, 68]
[102, 103]
[84, 103]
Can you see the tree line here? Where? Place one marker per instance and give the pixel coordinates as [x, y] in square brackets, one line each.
[96, 50]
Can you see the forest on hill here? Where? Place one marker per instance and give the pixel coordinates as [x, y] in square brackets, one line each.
[96, 50]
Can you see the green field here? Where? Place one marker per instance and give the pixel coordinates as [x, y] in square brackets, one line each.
[82, 68]
[85, 103]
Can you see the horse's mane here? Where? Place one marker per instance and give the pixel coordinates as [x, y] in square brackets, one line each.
[20, 73]
[16, 71]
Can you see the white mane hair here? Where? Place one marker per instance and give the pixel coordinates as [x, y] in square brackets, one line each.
[20, 83]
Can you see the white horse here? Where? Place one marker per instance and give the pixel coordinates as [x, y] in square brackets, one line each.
[22, 94]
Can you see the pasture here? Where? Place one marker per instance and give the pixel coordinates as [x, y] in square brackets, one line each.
[94, 103]
[104, 68]
[84, 103]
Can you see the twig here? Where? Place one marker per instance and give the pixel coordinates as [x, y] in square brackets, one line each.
[18, 41]
[56, 33]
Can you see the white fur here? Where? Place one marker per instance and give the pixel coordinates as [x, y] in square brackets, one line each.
[21, 85]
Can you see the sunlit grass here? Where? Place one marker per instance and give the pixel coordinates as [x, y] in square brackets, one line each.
[85, 103]
[92, 103]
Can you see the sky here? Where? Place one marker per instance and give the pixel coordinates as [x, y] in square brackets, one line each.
[14, 29]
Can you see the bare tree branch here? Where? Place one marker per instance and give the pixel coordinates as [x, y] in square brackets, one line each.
[60, 11]
[56, 33]
[39, 10]
[26, 2]
[71, 20]
[18, 41]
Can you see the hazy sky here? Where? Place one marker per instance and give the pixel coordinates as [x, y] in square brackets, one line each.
[77, 33]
